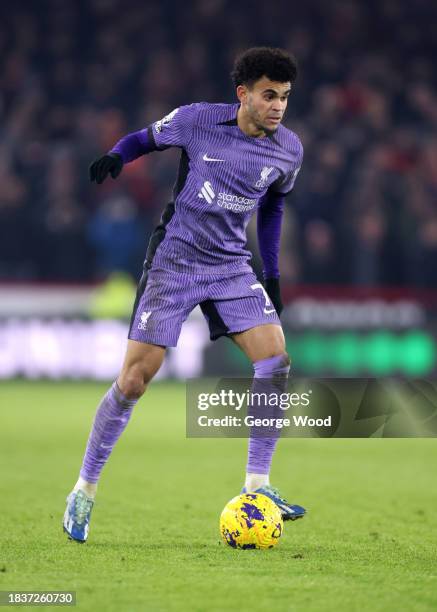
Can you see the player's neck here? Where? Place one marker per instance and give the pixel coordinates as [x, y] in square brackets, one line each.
[247, 126]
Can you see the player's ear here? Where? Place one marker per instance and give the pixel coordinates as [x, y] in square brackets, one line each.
[242, 93]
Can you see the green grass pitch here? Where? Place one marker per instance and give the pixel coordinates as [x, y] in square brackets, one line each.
[368, 543]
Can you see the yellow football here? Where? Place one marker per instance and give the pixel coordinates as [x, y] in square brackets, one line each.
[251, 520]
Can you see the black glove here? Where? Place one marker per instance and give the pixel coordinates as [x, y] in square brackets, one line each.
[271, 285]
[108, 164]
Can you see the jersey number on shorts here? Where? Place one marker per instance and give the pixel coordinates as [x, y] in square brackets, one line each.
[268, 309]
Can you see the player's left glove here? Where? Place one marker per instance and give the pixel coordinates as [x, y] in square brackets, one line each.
[108, 164]
[271, 285]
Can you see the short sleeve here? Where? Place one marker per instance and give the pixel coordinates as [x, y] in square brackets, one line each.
[175, 129]
[285, 183]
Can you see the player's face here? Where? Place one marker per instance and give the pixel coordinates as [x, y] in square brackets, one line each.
[266, 102]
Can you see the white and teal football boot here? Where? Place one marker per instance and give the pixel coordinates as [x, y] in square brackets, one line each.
[77, 516]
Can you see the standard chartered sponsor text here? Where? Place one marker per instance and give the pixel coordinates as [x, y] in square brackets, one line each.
[235, 203]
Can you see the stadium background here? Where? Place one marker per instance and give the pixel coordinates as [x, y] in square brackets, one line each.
[359, 246]
[358, 265]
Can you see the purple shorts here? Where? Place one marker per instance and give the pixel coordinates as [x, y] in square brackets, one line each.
[230, 304]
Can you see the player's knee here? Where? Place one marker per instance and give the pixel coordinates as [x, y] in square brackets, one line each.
[275, 363]
[282, 360]
[133, 381]
[132, 387]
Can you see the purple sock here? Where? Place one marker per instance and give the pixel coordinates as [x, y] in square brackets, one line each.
[110, 421]
[270, 377]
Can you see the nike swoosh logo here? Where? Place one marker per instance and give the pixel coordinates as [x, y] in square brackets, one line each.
[269, 311]
[206, 158]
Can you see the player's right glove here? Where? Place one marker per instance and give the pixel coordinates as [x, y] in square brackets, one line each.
[271, 285]
[108, 164]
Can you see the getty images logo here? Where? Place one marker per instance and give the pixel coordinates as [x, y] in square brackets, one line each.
[207, 192]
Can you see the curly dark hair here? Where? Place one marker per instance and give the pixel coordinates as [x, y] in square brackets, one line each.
[273, 63]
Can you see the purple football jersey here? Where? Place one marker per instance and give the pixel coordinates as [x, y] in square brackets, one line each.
[223, 175]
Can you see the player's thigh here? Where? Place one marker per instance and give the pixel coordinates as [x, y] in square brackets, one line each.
[142, 361]
[261, 342]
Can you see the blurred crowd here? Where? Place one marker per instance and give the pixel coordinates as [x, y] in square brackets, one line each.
[76, 76]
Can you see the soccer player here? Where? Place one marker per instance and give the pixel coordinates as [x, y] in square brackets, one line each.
[235, 159]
